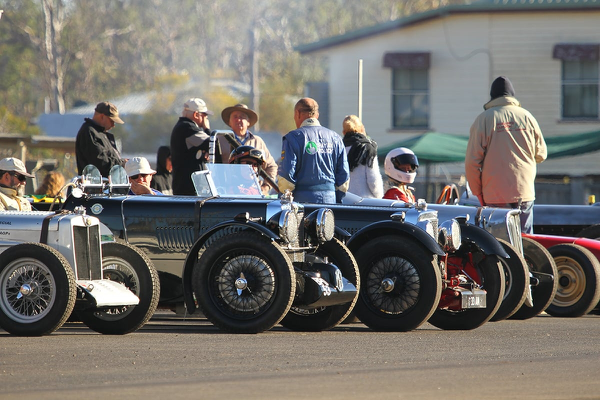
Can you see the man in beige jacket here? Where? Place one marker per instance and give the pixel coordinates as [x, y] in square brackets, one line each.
[13, 175]
[505, 146]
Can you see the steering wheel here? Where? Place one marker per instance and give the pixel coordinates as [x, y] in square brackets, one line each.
[449, 195]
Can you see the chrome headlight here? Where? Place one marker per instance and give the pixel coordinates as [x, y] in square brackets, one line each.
[325, 225]
[320, 224]
[449, 235]
[288, 226]
[428, 221]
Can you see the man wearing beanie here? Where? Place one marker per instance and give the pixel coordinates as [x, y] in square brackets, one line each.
[505, 146]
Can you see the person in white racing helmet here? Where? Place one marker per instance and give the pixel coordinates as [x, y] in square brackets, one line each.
[401, 168]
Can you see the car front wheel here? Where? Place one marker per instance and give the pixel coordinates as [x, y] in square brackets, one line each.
[244, 283]
[127, 265]
[324, 318]
[400, 284]
[37, 289]
[538, 260]
[578, 281]
[486, 274]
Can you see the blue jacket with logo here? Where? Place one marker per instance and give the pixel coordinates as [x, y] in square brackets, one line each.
[314, 164]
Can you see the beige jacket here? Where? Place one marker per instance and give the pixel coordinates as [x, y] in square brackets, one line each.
[505, 144]
[10, 200]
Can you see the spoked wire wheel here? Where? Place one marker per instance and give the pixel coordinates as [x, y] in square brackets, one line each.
[37, 289]
[130, 267]
[244, 283]
[400, 284]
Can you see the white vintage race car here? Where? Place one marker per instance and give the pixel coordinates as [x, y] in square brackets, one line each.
[53, 265]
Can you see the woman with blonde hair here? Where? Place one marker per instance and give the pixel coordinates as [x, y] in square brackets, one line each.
[51, 185]
[365, 177]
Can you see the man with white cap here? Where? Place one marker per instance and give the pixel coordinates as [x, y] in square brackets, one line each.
[95, 145]
[13, 175]
[190, 145]
[140, 175]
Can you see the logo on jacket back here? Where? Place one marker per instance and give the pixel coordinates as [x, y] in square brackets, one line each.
[311, 148]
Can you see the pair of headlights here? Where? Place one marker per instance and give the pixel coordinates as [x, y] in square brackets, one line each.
[319, 223]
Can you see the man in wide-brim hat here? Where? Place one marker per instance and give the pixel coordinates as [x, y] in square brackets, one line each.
[239, 118]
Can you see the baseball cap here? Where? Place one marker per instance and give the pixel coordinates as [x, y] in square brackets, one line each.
[138, 165]
[197, 104]
[110, 110]
[14, 165]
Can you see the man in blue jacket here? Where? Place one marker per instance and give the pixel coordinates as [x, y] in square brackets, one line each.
[314, 165]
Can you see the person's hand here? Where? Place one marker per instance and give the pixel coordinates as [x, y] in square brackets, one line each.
[141, 187]
[206, 123]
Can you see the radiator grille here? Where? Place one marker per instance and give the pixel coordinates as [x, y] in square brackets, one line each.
[87, 252]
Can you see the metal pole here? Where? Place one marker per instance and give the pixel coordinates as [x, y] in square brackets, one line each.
[360, 75]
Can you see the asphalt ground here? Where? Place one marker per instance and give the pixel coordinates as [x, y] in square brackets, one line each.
[176, 358]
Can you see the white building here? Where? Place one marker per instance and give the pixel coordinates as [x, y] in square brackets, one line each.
[432, 71]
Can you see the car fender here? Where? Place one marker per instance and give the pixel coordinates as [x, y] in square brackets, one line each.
[483, 239]
[188, 266]
[383, 228]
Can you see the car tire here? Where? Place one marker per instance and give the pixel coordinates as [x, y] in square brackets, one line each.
[492, 280]
[265, 277]
[412, 279]
[578, 281]
[50, 282]
[516, 275]
[538, 260]
[125, 264]
[324, 318]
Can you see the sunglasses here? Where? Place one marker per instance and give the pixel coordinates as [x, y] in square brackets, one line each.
[134, 177]
[20, 177]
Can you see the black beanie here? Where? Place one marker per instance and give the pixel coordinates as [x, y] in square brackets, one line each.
[501, 87]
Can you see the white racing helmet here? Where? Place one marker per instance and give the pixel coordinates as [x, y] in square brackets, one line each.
[397, 157]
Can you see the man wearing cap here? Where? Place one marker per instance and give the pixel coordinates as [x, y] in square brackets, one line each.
[314, 165]
[140, 176]
[239, 118]
[190, 145]
[13, 175]
[95, 145]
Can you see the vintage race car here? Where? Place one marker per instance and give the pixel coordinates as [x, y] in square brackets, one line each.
[55, 265]
[394, 261]
[248, 263]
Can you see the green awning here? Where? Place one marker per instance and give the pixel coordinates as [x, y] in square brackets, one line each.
[435, 147]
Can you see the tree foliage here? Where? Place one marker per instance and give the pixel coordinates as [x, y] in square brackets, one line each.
[62, 51]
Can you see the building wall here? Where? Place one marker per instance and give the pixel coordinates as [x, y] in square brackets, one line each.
[467, 52]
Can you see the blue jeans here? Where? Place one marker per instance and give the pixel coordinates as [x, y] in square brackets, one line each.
[526, 213]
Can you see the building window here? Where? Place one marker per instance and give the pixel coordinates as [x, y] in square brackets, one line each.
[580, 89]
[579, 80]
[410, 89]
[410, 98]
